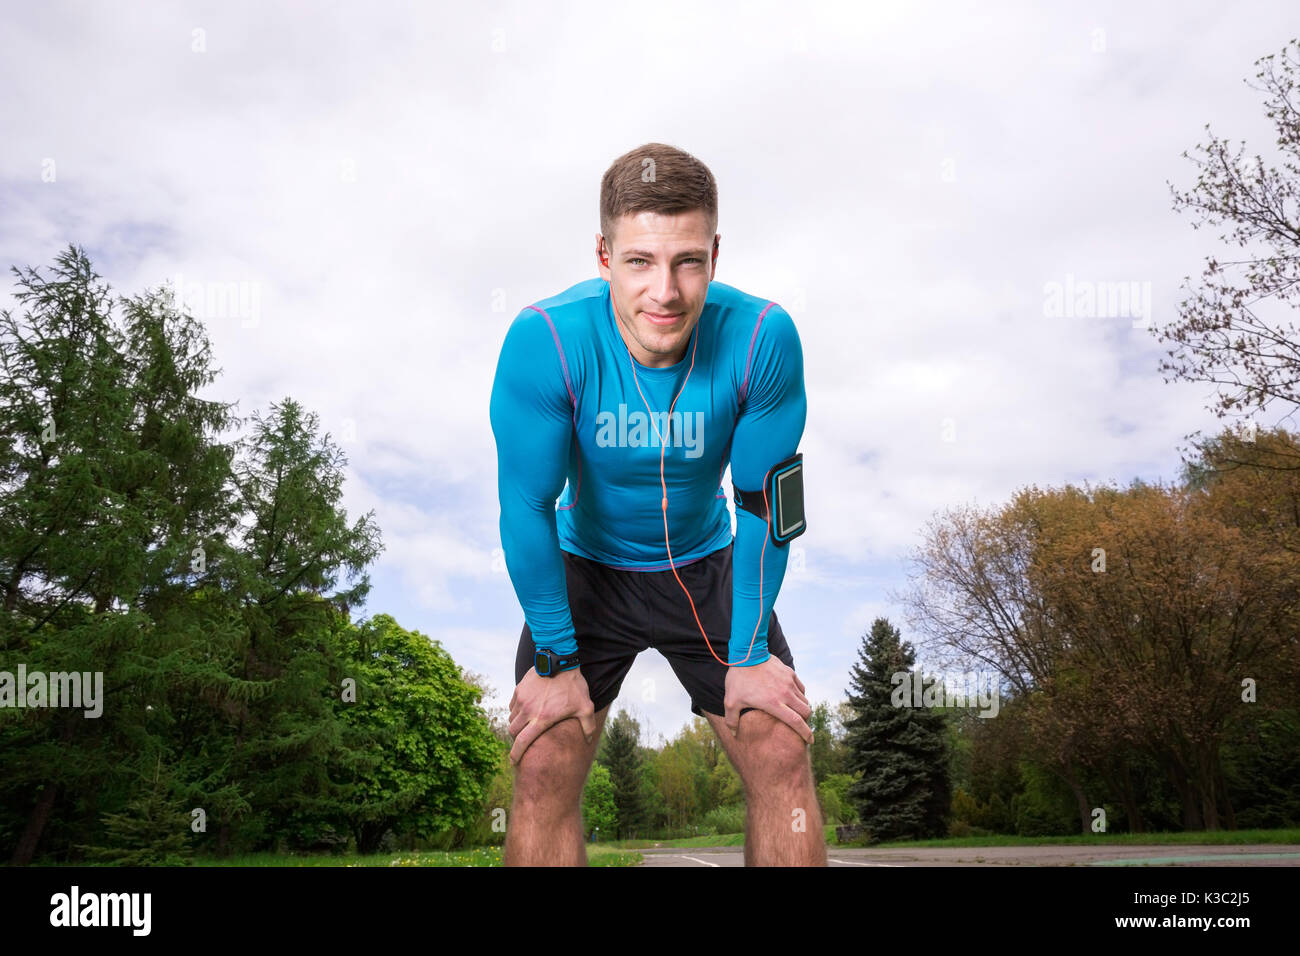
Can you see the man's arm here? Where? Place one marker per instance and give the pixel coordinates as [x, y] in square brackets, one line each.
[532, 419]
[768, 430]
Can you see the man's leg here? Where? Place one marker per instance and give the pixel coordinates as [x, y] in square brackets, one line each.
[545, 823]
[783, 821]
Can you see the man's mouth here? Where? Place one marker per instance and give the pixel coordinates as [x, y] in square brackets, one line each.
[658, 319]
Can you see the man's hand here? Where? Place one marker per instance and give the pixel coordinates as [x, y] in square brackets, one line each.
[541, 702]
[771, 687]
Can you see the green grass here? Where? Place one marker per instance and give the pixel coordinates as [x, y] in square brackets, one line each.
[478, 856]
[721, 839]
[622, 852]
[1213, 837]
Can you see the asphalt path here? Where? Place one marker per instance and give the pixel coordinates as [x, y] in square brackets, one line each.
[1274, 854]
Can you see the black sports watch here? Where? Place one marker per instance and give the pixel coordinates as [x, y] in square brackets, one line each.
[547, 663]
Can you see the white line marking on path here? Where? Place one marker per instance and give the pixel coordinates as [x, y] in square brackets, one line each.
[855, 863]
[697, 860]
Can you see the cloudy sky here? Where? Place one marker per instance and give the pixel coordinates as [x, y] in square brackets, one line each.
[385, 185]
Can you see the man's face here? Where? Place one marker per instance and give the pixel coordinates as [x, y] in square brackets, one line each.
[659, 272]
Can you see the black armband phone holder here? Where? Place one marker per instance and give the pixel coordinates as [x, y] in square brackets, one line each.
[784, 486]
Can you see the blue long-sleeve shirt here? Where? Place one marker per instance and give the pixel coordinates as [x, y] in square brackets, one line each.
[568, 418]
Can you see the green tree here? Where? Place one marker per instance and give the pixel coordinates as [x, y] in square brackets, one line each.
[700, 755]
[833, 796]
[498, 716]
[112, 484]
[204, 582]
[598, 811]
[655, 813]
[900, 753]
[620, 752]
[823, 754]
[281, 579]
[489, 829]
[727, 788]
[677, 784]
[430, 754]
[154, 829]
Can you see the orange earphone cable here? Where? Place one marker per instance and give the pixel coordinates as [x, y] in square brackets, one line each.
[663, 502]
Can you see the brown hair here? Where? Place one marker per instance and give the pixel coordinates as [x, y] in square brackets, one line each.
[656, 178]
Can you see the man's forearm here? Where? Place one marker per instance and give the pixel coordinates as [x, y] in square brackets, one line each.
[536, 567]
[751, 608]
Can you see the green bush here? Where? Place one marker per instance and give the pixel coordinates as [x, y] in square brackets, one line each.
[729, 819]
[833, 795]
[960, 828]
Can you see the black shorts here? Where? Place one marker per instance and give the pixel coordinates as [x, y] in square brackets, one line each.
[618, 614]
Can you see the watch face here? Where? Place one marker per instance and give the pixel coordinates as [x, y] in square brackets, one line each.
[543, 664]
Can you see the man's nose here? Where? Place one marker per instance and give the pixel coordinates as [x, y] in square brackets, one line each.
[665, 289]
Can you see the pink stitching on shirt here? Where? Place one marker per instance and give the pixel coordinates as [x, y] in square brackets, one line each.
[565, 366]
[744, 386]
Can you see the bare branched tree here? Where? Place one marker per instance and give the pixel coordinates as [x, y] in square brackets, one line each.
[1236, 329]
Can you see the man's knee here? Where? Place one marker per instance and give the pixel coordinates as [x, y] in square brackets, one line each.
[775, 753]
[555, 765]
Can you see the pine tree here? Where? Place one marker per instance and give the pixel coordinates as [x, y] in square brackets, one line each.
[901, 753]
[280, 729]
[153, 830]
[621, 754]
[112, 483]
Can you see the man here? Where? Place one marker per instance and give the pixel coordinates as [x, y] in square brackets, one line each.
[638, 388]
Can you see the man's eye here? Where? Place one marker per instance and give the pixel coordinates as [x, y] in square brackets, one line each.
[635, 260]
